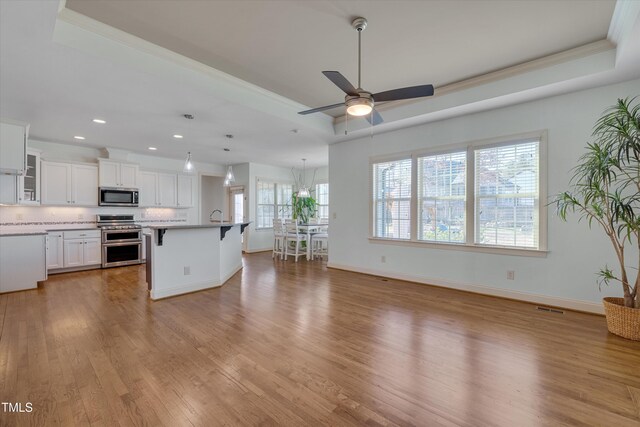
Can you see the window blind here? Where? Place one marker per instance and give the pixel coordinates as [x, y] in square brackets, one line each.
[507, 195]
[392, 199]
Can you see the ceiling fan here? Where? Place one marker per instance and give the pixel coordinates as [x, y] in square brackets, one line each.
[360, 102]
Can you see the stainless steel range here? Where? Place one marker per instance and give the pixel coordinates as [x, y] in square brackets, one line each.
[121, 240]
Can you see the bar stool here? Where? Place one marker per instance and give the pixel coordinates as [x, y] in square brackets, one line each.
[278, 238]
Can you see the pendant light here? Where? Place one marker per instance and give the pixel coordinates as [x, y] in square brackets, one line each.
[229, 177]
[303, 190]
[188, 164]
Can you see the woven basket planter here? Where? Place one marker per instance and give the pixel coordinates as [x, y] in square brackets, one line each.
[622, 321]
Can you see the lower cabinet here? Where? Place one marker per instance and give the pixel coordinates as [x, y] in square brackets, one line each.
[72, 249]
[55, 250]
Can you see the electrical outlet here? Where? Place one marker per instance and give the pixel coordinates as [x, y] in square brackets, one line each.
[511, 275]
[383, 258]
[335, 215]
[187, 270]
[19, 216]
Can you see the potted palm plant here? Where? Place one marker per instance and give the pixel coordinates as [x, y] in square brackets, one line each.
[304, 208]
[605, 191]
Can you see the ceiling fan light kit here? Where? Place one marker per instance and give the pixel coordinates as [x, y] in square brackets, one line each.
[359, 102]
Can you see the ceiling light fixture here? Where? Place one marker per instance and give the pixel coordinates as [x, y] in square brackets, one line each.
[359, 106]
[229, 177]
[100, 121]
[176, 136]
[81, 138]
[303, 190]
[152, 148]
[188, 164]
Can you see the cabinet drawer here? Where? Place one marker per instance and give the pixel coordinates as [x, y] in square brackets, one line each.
[81, 234]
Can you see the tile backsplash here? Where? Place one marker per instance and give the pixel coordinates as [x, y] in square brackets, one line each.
[63, 216]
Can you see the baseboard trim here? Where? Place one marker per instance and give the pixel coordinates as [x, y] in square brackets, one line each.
[255, 251]
[234, 271]
[569, 304]
[156, 294]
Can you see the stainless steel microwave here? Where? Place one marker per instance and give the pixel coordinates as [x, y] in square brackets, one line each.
[118, 196]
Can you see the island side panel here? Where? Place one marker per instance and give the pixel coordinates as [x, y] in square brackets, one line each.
[187, 261]
[231, 253]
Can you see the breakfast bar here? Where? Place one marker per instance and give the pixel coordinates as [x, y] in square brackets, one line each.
[189, 258]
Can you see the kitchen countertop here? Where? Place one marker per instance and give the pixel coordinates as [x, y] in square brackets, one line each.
[213, 225]
[22, 233]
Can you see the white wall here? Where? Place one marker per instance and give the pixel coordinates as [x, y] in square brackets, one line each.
[564, 277]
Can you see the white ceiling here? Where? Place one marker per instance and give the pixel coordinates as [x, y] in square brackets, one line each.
[255, 63]
[283, 46]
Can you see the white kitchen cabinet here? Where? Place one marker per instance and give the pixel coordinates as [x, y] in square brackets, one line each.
[91, 252]
[13, 150]
[185, 191]
[29, 184]
[158, 189]
[117, 174]
[56, 183]
[9, 189]
[84, 185]
[167, 189]
[23, 262]
[55, 250]
[69, 184]
[148, 190]
[82, 247]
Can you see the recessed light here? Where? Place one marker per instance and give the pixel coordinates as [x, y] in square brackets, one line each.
[152, 148]
[178, 136]
[99, 121]
[81, 138]
[226, 149]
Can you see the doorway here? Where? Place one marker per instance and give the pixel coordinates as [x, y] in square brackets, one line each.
[237, 205]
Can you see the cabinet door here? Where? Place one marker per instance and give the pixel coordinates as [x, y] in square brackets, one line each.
[55, 250]
[128, 175]
[73, 253]
[13, 148]
[109, 174]
[167, 189]
[9, 189]
[29, 190]
[91, 252]
[56, 183]
[185, 191]
[148, 195]
[84, 185]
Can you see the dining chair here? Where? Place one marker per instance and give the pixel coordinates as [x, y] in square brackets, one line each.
[278, 238]
[293, 241]
[320, 243]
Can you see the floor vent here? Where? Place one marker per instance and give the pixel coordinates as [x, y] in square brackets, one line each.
[550, 310]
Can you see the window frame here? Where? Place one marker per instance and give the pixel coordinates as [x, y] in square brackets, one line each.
[318, 198]
[470, 199]
[276, 183]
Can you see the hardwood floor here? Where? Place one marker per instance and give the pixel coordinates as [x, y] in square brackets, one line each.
[302, 345]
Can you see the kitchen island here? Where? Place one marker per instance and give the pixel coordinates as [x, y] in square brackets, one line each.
[189, 258]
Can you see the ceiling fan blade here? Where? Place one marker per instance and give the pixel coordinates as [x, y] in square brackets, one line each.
[404, 93]
[326, 107]
[341, 81]
[374, 118]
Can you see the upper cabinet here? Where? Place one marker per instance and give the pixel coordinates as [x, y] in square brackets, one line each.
[69, 184]
[13, 150]
[29, 184]
[185, 191]
[117, 174]
[169, 190]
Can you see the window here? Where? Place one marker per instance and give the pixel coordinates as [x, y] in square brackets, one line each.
[322, 200]
[483, 194]
[392, 199]
[507, 199]
[441, 197]
[273, 201]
